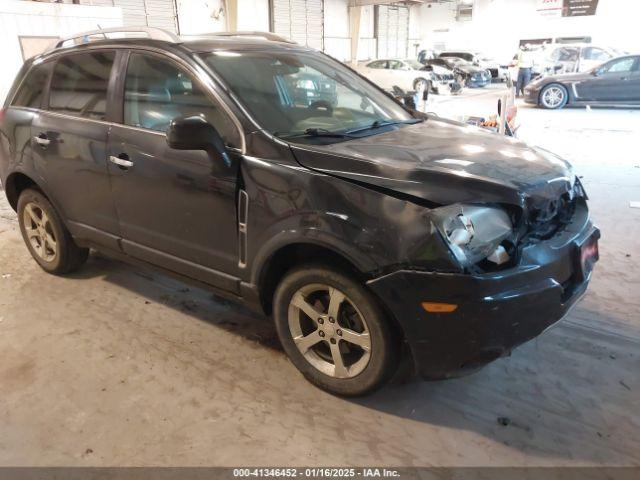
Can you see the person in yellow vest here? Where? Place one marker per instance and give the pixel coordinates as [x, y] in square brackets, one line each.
[525, 65]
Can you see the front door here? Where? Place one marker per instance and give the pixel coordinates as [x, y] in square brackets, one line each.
[610, 83]
[70, 141]
[176, 208]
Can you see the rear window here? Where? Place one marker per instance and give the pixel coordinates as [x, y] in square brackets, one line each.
[79, 84]
[30, 92]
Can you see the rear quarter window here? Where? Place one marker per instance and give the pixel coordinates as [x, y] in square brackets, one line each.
[30, 92]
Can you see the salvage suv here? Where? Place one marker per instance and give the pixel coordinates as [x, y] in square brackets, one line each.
[366, 230]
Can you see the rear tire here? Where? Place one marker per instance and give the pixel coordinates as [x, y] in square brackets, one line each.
[334, 331]
[46, 237]
[554, 96]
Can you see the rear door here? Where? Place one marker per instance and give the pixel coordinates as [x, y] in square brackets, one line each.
[177, 208]
[15, 122]
[69, 140]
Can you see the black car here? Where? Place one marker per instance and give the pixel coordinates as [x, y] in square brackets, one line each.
[616, 82]
[366, 230]
[465, 72]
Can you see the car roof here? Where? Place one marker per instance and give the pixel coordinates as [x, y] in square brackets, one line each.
[197, 44]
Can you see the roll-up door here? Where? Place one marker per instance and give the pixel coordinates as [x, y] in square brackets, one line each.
[151, 13]
[392, 31]
[299, 20]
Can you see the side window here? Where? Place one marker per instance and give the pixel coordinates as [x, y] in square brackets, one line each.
[395, 65]
[157, 91]
[594, 53]
[377, 64]
[30, 92]
[79, 84]
[619, 66]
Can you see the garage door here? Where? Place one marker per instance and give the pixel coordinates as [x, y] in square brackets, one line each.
[392, 31]
[299, 20]
[152, 13]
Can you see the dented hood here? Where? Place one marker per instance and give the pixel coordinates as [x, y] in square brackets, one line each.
[443, 162]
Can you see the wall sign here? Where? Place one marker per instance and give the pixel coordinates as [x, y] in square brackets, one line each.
[579, 8]
[550, 8]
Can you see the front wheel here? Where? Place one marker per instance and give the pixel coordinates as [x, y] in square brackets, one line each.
[334, 331]
[554, 96]
[421, 84]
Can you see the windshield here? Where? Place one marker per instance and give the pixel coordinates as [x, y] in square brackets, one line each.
[290, 93]
[456, 61]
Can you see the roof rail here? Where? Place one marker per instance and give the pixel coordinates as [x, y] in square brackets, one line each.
[272, 37]
[150, 32]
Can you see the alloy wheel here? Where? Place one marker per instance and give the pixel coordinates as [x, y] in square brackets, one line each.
[329, 331]
[40, 232]
[553, 97]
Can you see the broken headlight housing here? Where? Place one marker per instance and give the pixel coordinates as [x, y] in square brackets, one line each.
[474, 232]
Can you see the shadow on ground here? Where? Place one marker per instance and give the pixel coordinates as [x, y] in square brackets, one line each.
[574, 386]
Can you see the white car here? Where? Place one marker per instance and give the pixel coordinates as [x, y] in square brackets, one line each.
[555, 58]
[406, 74]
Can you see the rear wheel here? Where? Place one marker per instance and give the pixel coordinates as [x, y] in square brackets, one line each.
[334, 332]
[47, 239]
[554, 96]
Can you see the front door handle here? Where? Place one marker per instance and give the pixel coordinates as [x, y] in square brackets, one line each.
[121, 161]
[42, 140]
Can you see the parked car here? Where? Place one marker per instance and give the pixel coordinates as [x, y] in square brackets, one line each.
[616, 82]
[465, 72]
[407, 75]
[364, 229]
[551, 59]
[498, 71]
[308, 89]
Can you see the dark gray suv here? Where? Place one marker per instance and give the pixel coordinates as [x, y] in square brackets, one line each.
[366, 230]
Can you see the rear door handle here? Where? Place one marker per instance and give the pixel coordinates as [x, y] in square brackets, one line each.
[42, 140]
[122, 163]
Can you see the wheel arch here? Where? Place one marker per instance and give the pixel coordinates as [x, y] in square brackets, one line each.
[282, 259]
[15, 184]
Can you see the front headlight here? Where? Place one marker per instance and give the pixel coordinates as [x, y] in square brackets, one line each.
[474, 232]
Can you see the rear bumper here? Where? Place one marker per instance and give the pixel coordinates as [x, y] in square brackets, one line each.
[496, 312]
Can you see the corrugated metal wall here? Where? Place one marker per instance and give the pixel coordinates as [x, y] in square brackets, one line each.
[152, 13]
[299, 20]
[392, 31]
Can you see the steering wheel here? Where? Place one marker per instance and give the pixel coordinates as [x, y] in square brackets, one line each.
[322, 106]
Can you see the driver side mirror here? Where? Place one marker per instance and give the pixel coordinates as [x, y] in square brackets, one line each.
[195, 133]
[597, 72]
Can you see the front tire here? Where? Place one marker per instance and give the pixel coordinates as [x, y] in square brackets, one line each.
[554, 96]
[46, 237]
[334, 331]
[422, 83]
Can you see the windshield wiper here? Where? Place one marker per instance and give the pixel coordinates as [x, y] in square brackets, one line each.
[316, 132]
[383, 123]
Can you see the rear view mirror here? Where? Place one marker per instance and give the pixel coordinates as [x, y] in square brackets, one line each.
[195, 133]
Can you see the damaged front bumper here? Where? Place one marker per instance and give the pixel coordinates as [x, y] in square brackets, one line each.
[495, 312]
